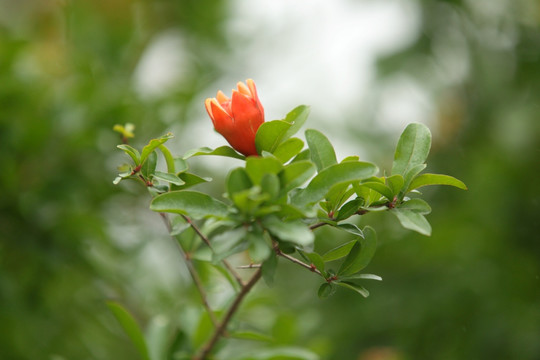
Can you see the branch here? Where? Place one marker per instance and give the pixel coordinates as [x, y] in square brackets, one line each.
[299, 262]
[193, 272]
[218, 332]
[207, 242]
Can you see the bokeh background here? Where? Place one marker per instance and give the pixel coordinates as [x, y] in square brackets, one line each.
[70, 239]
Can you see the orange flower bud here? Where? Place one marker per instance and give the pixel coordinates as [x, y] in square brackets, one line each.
[239, 117]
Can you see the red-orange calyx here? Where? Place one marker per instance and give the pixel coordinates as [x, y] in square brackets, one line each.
[237, 118]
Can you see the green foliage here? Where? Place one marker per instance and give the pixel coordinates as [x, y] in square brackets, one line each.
[131, 328]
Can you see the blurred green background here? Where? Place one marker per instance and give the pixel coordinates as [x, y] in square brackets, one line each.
[70, 239]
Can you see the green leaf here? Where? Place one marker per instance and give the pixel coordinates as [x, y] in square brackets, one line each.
[361, 253]
[325, 290]
[361, 277]
[339, 252]
[355, 287]
[257, 167]
[270, 185]
[350, 228]
[190, 180]
[435, 179]
[413, 221]
[153, 145]
[195, 204]
[336, 174]
[316, 260]
[171, 178]
[237, 181]
[295, 231]
[228, 243]
[381, 189]
[270, 134]
[269, 269]
[349, 209]
[295, 174]
[132, 152]
[303, 155]
[157, 336]
[288, 149]
[322, 151]
[412, 148]
[250, 335]
[259, 249]
[149, 167]
[411, 174]
[416, 205]
[130, 326]
[395, 183]
[225, 150]
[296, 117]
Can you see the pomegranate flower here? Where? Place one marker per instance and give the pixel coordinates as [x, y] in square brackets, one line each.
[237, 118]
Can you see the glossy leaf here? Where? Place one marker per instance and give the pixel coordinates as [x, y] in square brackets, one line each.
[412, 148]
[338, 252]
[325, 290]
[237, 181]
[322, 151]
[195, 204]
[381, 189]
[295, 232]
[303, 155]
[411, 174]
[361, 253]
[435, 179]
[413, 221]
[296, 174]
[132, 152]
[190, 180]
[296, 117]
[288, 149]
[361, 277]
[355, 287]
[153, 145]
[350, 228]
[416, 205]
[335, 174]
[395, 183]
[270, 134]
[257, 167]
[149, 167]
[316, 260]
[349, 209]
[171, 178]
[130, 326]
[225, 150]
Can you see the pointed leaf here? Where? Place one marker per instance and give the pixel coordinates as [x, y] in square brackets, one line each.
[381, 189]
[132, 152]
[190, 180]
[361, 276]
[192, 203]
[270, 134]
[171, 178]
[295, 174]
[288, 149]
[349, 209]
[295, 232]
[413, 221]
[412, 148]
[355, 287]
[153, 145]
[416, 205]
[335, 174]
[435, 179]
[395, 183]
[226, 151]
[297, 117]
[316, 260]
[322, 151]
[130, 326]
[361, 253]
[350, 228]
[339, 252]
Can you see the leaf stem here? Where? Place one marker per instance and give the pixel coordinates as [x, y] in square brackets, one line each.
[219, 331]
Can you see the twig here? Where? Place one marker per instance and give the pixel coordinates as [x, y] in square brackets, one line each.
[194, 274]
[317, 225]
[207, 242]
[299, 262]
[250, 266]
[218, 332]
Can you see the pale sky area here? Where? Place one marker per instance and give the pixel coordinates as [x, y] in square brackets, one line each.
[315, 52]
